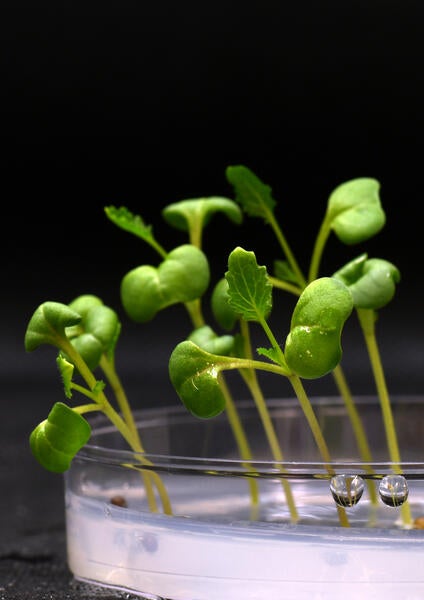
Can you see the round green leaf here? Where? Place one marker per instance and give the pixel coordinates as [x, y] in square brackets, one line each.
[82, 304]
[56, 441]
[183, 276]
[90, 349]
[354, 210]
[188, 215]
[194, 375]
[208, 340]
[221, 308]
[102, 322]
[372, 282]
[48, 323]
[313, 346]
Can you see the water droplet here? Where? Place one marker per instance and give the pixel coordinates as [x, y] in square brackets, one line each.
[393, 490]
[347, 490]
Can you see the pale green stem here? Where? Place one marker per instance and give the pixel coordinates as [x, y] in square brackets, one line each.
[121, 397]
[122, 400]
[353, 414]
[317, 434]
[318, 249]
[194, 308]
[133, 441]
[195, 312]
[286, 249]
[242, 443]
[345, 393]
[159, 249]
[85, 408]
[195, 233]
[252, 383]
[251, 380]
[285, 285]
[367, 322]
[275, 344]
[357, 426]
[305, 405]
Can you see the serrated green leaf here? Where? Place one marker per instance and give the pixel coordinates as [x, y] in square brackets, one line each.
[66, 370]
[270, 353]
[249, 289]
[283, 271]
[252, 194]
[128, 221]
[99, 387]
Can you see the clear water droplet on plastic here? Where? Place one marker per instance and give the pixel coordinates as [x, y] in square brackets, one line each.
[347, 490]
[393, 490]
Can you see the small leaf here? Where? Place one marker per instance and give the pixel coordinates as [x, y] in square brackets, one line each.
[221, 308]
[194, 375]
[66, 370]
[371, 282]
[249, 289]
[208, 340]
[252, 194]
[56, 441]
[195, 213]
[89, 348]
[354, 210]
[99, 387]
[283, 271]
[98, 331]
[313, 345]
[103, 323]
[126, 220]
[48, 323]
[270, 353]
[82, 304]
[352, 271]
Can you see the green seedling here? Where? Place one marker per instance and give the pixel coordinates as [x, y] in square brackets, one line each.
[245, 294]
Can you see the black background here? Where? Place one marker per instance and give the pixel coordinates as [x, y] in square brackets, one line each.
[144, 104]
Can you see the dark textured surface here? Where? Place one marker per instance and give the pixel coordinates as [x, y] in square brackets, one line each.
[32, 541]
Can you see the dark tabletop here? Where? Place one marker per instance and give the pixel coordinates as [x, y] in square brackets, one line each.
[32, 541]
